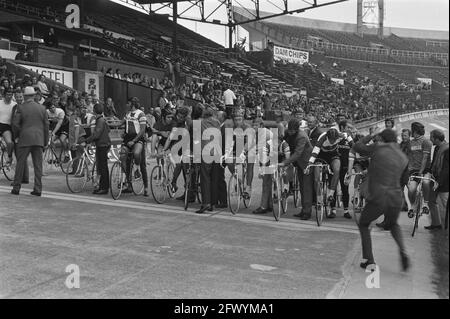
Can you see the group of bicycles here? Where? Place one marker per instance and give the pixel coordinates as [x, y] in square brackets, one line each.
[81, 171]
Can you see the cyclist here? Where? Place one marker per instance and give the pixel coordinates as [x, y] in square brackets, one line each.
[6, 108]
[344, 150]
[59, 126]
[327, 150]
[181, 118]
[419, 163]
[300, 151]
[234, 149]
[134, 140]
[315, 131]
[161, 130]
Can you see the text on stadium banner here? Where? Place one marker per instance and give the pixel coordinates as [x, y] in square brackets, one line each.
[290, 55]
[60, 76]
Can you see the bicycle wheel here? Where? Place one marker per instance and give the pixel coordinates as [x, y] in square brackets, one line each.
[357, 206]
[76, 181]
[418, 213]
[157, 186]
[9, 170]
[49, 161]
[137, 180]
[169, 179]
[116, 180]
[320, 206]
[276, 198]
[95, 178]
[187, 184]
[296, 190]
[247, 200]
[320, 212]
[64, 165]
[234, 196]
[198, 187]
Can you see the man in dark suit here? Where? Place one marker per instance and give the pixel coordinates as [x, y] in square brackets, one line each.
[386, 173]
[31, 129]
[301, 150]
[19, 100]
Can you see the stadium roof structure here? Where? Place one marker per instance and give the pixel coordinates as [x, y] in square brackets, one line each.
[195, 10]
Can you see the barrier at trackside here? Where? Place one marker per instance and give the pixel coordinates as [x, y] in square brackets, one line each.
[364, 129]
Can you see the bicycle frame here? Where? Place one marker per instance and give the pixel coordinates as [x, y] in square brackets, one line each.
[419, 209]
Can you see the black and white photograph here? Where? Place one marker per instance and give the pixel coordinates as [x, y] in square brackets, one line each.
[224, 156]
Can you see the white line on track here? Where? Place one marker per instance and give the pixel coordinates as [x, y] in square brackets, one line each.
[260, 220]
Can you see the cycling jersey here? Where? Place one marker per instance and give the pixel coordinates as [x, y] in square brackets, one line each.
[133, 121]
[55, 117]
[283, 151]
[419, 147]
[326, 150]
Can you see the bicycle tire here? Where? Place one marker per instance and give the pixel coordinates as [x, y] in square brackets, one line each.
[77, 181]
[247, 201]
[198, 187]
[64, 166]
[284, 197]
[95, 178]
[320, 212]
[116, 180]
[49, 161]
[169, 178]
[417, 215]
[234, 189]
[187, 184]
[157, 186]
[356, 203]
[137, 184]
[276, 198]
[296, 190]
[9, 170]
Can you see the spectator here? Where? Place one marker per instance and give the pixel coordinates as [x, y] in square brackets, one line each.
[439, 169]
[31, 126]
[42, 86]
[50, 39]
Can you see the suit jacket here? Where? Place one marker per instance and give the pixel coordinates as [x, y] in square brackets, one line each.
[314, 135]
[388, 170]
[30, 124]
[101, 133]
[302, 150]
[439, 167]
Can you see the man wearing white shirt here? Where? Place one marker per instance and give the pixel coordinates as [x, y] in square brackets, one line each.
[229, 97]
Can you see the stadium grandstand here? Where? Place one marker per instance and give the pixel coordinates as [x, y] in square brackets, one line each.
[119, 52]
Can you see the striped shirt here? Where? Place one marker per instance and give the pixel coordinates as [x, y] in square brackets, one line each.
[324, 145]
[133, 121]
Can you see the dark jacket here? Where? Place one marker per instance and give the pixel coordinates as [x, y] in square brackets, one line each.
[101, 133]
[439, 167]
[302, 150]
[387, 172]
[314, 135]
[30, 124]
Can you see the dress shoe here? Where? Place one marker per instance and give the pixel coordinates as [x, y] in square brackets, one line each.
[204, 209]
[367, 263]
[433, 227]
[34, 193]
[222, 206]
[405, 262]
[145, 193]
[305, 217]
[26, 182]
[15, 192]
[260, 210]
[298, 215]
[347, 215]
[101, 192]
[381, 225]
[127, 190]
